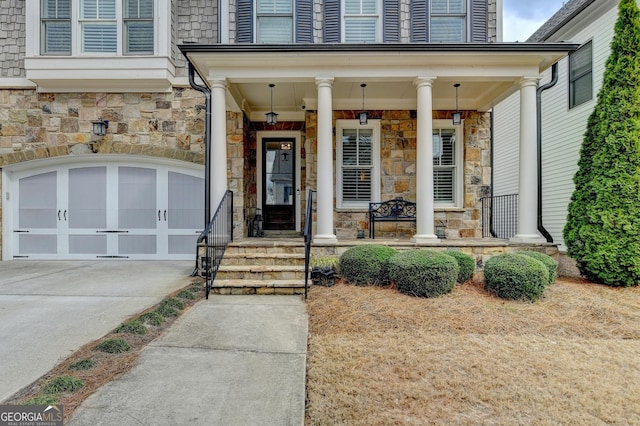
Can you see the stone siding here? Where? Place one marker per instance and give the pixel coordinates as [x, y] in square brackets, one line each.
[13, 36]
[398, 173]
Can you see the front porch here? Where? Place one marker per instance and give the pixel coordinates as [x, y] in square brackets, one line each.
[272, 265]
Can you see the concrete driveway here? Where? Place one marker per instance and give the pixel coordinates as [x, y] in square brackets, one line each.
[49, 309]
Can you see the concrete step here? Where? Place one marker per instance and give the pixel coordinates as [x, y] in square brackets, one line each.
[261, 272]
[263, 259]
[221, 286]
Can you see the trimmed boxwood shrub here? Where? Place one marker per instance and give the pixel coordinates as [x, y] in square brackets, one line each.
[549, 262]
[423, 273]
[517, 277]
[466, 263]
[366, 264]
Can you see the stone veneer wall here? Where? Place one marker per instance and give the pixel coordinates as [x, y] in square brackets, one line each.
[398, 178]
[167, 125]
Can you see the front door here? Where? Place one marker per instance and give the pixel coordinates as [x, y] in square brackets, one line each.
[278, 183]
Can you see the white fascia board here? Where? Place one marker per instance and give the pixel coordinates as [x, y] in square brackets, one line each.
[82, 74]
[16, 83]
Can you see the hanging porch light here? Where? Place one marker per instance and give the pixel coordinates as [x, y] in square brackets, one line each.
[362, 115]
[457, 115]
[272, 117]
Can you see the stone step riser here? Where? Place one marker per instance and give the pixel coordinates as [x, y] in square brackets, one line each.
[265, 276]
[262, 262]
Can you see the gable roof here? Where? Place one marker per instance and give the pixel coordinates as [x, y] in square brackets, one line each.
[566, 13]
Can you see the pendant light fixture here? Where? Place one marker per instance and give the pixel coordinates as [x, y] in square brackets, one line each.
[272, 117]
[457, 115]
[362, 115]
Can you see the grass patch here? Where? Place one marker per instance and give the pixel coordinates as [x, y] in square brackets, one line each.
[378, 357]
[113, 346]
[151, 318]
[41, 400]
[170, 307]
[62, 384]
[83, 364]
[133, 327]
[186, 294]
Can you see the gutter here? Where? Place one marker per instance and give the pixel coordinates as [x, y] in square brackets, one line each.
[554, 80]
[207, 142]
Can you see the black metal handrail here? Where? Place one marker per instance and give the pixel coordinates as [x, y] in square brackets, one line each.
[500, 216]
[307, 240]
[216, 236]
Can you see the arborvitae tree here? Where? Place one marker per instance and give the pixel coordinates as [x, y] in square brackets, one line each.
[603, 225]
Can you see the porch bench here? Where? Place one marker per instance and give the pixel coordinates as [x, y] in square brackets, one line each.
[395, 210]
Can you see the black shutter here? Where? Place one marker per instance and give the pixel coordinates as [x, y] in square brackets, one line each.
[391, 21]
[304, 21]
[331, 21]
[419, 21]
[244, 21]
[479, 32]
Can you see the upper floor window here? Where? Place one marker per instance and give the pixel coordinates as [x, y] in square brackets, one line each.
[580, 76]
[357, 163]
[274, 21]
[448, 21]
[447, 164]
[361, 21]
[101, 26]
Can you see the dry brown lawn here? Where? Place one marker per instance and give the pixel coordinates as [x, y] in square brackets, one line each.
[378, 357]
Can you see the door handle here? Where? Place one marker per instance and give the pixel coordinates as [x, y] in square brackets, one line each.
[58, 214]
[65, 215]
[158, 215]
[165, 215]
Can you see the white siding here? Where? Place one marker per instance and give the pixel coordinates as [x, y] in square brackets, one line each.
[506, 134]
[562, 129]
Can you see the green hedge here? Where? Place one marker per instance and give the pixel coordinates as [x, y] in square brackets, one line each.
[466, 263]
[517, 277]
[550, 263]
[366, 264]
[423, 273]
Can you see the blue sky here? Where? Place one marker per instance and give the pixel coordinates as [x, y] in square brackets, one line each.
[523, 17]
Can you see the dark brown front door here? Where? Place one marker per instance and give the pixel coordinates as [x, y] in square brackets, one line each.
[278, 183]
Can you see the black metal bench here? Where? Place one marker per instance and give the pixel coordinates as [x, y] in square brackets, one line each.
[396, 210]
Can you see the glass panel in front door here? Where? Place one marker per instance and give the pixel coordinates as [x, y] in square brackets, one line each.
[278, 182]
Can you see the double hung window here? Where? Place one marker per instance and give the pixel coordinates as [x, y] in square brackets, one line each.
[361, 21]
[580, 76]
[448, 21]
[358, 163]
[274, 21]
[446, 166]
[75, 27]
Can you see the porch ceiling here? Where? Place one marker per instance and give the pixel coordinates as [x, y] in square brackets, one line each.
[487, 72]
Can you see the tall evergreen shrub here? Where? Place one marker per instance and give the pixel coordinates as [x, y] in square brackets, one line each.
[602, 232]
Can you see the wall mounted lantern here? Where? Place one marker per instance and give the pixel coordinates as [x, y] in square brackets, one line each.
[457, 115]
[362, 115]
[100, 127]
[272, 117]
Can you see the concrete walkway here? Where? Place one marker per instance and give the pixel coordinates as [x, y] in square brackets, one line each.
[49, 309]
[231, 360]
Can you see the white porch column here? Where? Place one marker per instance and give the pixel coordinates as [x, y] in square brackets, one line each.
[424, 163]
[218, 151]
[528, 176]
[324, 166]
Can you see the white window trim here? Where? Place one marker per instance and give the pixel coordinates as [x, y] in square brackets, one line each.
[90, 72]
[161, 28]
[375, 173]
[572, 81]
[256, 15]
[379, 28]
[459, 166]
[467, 19]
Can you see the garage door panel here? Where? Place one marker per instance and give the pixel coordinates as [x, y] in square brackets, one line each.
[88, 198]
[38, 244]
[137, 198]
[186, 202]
[88, 244]
[37, 206]
[137, 244]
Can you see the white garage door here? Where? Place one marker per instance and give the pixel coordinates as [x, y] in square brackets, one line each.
[107, 211]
